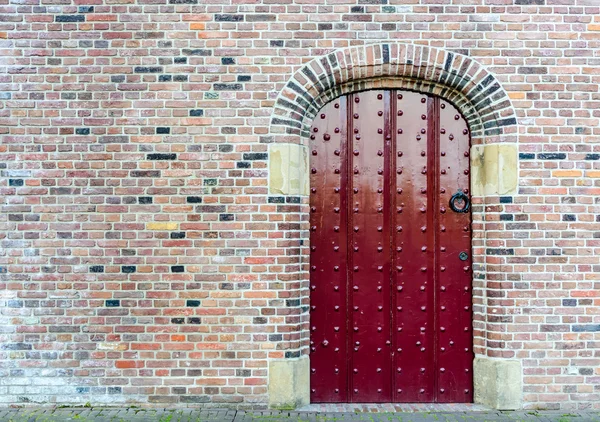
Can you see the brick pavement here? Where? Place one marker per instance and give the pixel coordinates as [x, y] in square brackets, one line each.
[224, 415]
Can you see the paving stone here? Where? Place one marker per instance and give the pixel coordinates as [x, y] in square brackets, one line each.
[224, 415]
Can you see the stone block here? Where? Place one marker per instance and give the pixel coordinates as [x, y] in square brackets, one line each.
[288, 169]
[494, 169]
[498, 383]
[289, 383]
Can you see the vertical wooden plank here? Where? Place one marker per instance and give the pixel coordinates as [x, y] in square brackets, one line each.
[369, 242]
[328, 359]
[455, 335]
[413, 341]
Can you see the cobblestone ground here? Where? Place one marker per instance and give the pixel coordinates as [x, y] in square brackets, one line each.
[196, 415]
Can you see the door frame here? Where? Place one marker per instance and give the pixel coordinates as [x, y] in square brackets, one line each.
[494, 134]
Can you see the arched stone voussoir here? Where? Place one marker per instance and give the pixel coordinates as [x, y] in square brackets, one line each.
[458, 78]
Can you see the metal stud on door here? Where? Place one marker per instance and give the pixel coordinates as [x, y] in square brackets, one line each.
[390, 250]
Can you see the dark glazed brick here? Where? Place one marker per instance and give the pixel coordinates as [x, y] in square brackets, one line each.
[180, 78]
[526, 156]
[145, 199]
[113, 303]
[177, 268]
[197, 113]
[177, 320]
[177, 235]
[15, 346]
[227, 60]
[225, 148]
[196, 52]
[261, 18]
[165, 78]
[82, 131]
[229, 18]
[161, 156]
[357, 9]
[276, 200]
[163, 130]
[15, 182]
[531, 70]
[194, 320]
[70, 18]
[255, 156]
[114, 139]
[243, 165]
[322, 27]
[500, 251]
[228, 87]
[276, 43]
[194, 199]
[128, 269]
[292, 355]
[192, 303]
[506, 217]
[148, 69]
[226, 217]
[569, 217]
[588, 328]
[293, 199]
[569, 302]
[552, 156]
[145, 173]
[244, 78]
[506, 199]
[592, 156]
[210, 208]
[97, 269]
[85, 9]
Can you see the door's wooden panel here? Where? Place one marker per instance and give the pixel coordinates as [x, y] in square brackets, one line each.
[369, 260]
[454, 353]
[328, 256]
[414, 333]
[390, 294]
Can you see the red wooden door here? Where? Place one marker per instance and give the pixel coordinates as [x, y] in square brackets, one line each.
[390, 260]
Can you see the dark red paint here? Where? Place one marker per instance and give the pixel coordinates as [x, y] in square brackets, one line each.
[390, 297]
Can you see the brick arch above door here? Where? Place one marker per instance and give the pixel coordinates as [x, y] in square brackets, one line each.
[456, 77]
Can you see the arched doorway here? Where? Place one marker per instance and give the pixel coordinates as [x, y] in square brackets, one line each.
[390, 264]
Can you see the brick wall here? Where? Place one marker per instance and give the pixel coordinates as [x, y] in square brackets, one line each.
[142, 257]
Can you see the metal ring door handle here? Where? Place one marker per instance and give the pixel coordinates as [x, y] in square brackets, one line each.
[460, 195]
